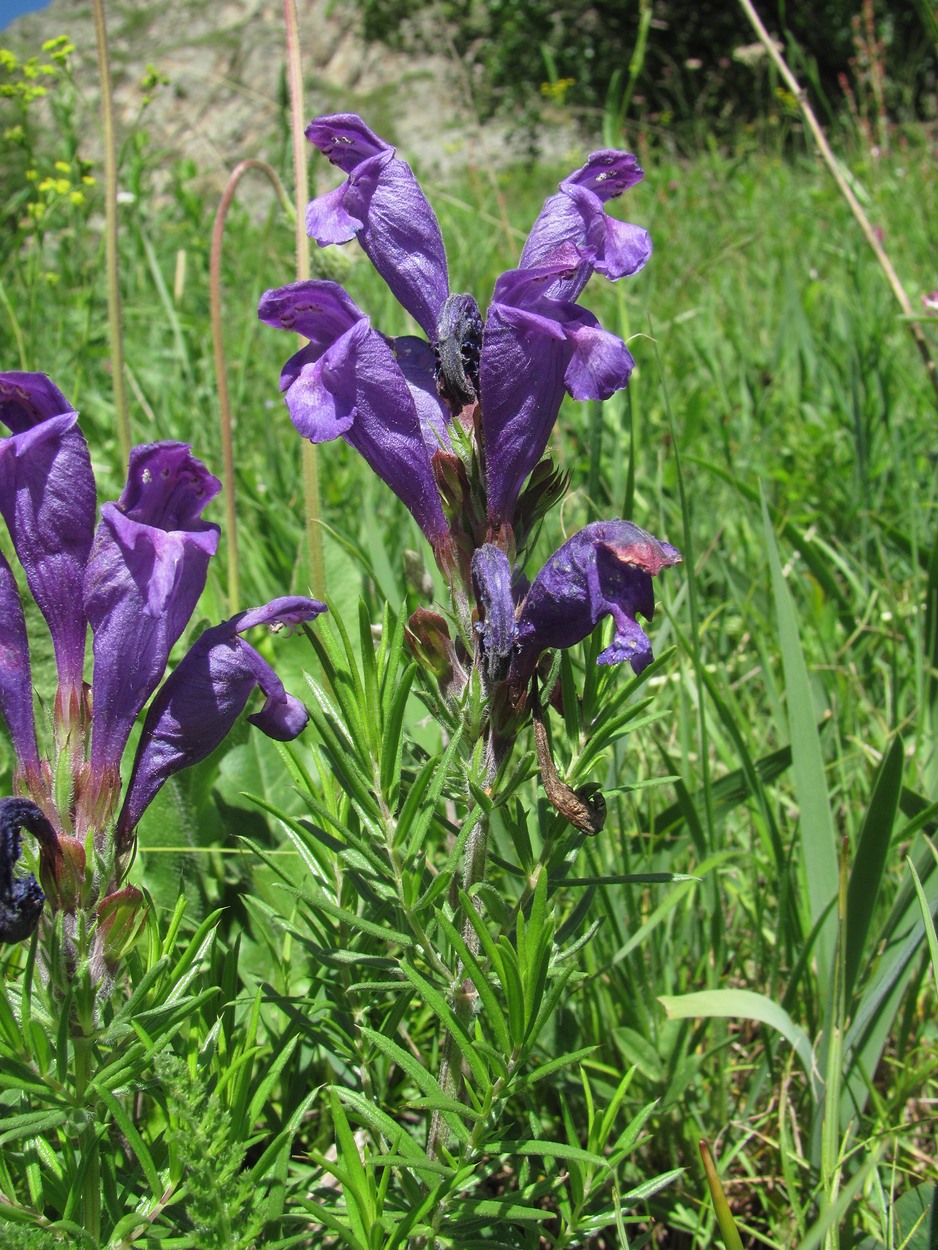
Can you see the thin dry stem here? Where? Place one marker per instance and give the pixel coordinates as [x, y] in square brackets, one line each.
[317, 566]
[221, 370]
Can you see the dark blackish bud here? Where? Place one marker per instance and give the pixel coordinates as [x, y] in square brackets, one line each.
[21, 899]
[491, 582]
[458, 349]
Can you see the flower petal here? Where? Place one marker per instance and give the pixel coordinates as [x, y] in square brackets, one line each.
[575, 217]
[16, 691]
[145, 574]
[348, 382]
[383, 205]
[605, 569]
[201, 700]
[47, 498]
[524, 360]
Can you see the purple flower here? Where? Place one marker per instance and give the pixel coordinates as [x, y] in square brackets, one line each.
[381, 204]
[534, 345]
[535, 348]
[347, 381]
[201, 700]
[574, 219]
[47, 498]
[604, 570]
[136, 582]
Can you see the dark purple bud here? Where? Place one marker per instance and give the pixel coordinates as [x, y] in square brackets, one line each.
[604, 570]
[381, 204]
[200, 701]
[145, 574]
[575, 217]
[491, 582]
[347, 382]
[47, 498]
[20, 897]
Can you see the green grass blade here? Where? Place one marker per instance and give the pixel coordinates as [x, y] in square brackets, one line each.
[818, 840]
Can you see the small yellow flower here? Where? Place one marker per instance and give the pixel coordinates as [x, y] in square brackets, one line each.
[63, 167]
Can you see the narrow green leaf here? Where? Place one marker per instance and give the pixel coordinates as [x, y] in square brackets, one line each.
[493, 1012]
[442, 1010]
[546, 1149]
[392, 742]
[358, 1197]
[135, 1141]
[648, 1189]
[869, 861]
[382, 1124]
[927, 921]
[818, 839]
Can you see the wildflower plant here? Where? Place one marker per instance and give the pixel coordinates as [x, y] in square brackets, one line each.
[457, 421]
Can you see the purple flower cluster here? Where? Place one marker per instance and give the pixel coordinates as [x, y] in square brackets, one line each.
[410, 405]
[135, 579]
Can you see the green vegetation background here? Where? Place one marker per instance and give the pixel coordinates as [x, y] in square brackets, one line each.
[780, 430]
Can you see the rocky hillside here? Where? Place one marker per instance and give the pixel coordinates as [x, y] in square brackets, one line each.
[225, 94]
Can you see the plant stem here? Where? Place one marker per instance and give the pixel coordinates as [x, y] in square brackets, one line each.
[463, 995]
[112, 262]
[91, 1189]
[846, 191]
[317, 567]
[221, 371]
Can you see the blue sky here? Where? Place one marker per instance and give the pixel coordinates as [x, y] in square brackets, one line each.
[13, 8]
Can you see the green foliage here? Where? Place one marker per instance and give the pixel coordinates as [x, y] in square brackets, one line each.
[691, 66]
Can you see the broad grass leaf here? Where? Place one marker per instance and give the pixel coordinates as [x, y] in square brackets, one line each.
[742, 1005]
[818, 839]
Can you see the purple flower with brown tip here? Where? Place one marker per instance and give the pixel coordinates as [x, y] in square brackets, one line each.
[604, 570]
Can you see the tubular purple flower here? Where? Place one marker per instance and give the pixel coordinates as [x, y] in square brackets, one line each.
[47, 498]
[347, 382]
[604, 570]
[145, 574]
[575, 217]
[381, 204]
[16, 689]
[533, 350]
[200, 701]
